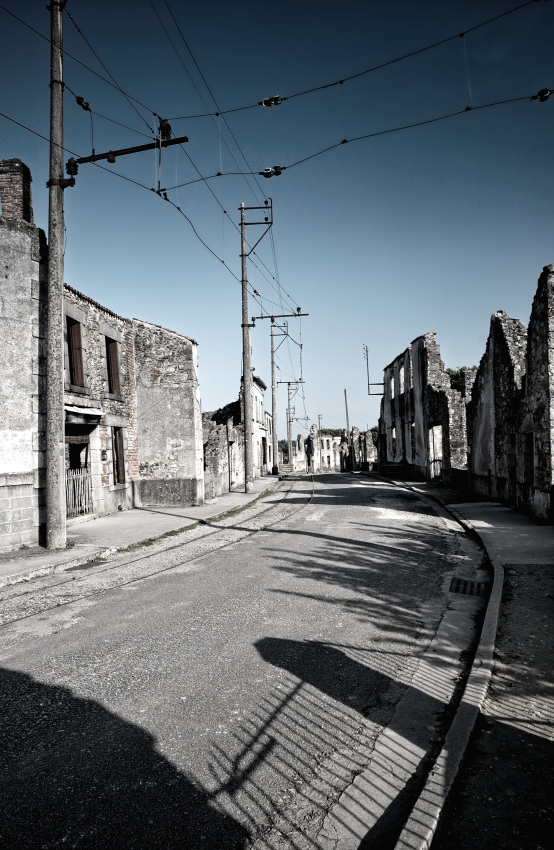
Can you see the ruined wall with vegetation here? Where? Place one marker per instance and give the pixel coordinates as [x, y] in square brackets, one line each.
[489, 429]
[510, 415]
[422, 422]
[223, 451]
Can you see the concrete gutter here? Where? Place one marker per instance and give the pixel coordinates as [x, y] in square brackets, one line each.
[419, 830]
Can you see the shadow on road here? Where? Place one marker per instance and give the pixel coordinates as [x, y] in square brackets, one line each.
[75, 775]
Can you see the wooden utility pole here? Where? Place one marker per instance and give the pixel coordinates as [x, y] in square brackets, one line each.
[55, 424]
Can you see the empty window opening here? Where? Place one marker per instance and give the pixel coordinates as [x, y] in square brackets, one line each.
[75, 353]
[118, 458]
[112, 361]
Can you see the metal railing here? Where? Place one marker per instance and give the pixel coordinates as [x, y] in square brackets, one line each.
[78, 492]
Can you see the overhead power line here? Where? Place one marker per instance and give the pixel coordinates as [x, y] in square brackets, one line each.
[79, 62]
[276, 100]
[218, 128]
[141, 186]
[276, 170]
[208, 88]
[110, 75]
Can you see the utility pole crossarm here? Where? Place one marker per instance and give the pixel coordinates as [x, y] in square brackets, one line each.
[375, 383]
[268, 221]
[111, 155]
[281, 316]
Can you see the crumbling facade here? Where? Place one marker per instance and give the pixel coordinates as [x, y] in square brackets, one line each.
[224, 443]
[331, 453]
[492, 433]
[422, 422]
[510, 414]
[133, 432]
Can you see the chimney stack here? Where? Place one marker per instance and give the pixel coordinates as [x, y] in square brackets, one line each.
[15, 190]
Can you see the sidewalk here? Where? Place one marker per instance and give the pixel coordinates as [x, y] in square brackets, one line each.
[94, 538]
[502, 797]
[491, 784]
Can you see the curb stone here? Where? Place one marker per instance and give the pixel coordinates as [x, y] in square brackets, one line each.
[49, 569]
[419, 830]
[105, 552]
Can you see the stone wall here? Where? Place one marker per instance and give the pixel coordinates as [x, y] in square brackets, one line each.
[494, 432]
[169, 419]
[223, 456]
[223, 450]
[23, 261]
[510, 414]
[422, 423]
[537, 496]
[132, 404]
[493, 409]
[92, 411]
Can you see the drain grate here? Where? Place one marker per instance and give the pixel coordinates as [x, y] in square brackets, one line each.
[469, 588]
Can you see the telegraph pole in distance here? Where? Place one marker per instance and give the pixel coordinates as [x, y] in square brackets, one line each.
[289, 412]
[55, 437]
[375, 383]
[246, 350]
[275, 466]
[246, 365]
[347, 419]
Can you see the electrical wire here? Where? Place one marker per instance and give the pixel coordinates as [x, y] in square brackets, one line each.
[373, 135]
[218, 128]
[236, 227]
[367, 71]
[406, 127]
[142, 186]
[263, 195]
[79, 62]
[87, 42]
[110, 75]
[180, 58]
[106, 118]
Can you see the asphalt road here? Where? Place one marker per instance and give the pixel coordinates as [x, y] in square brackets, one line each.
[227, 697]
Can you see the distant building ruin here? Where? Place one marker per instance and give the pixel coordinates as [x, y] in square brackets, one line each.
[224, 443]
[494, 432]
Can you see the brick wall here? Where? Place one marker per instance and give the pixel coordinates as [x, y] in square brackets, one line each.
[15, 191]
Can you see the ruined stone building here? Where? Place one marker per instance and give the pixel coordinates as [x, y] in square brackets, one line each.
[492, 433]
[510, 415]
[328, 453]
[422, 422]
[261, 430]
[133, 430]
[224, 443]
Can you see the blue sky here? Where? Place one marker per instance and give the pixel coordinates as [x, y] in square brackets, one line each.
[381, 240]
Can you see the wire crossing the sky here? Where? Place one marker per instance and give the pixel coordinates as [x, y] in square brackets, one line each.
[277, 100]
